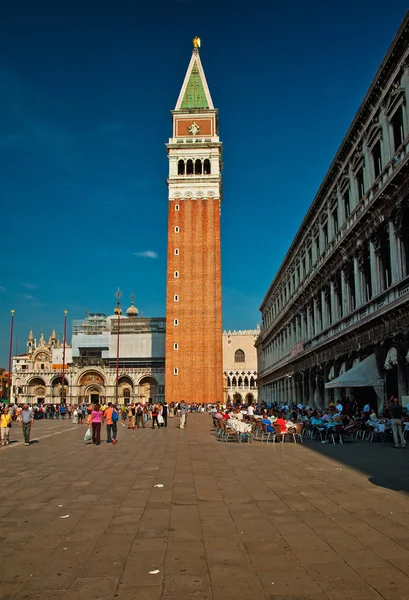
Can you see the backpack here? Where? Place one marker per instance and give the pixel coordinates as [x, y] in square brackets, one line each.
[139, 410]
[114, 416]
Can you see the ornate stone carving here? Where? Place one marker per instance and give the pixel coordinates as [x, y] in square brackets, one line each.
[376, 241]
[360, 256]
[348, 269]
[397, 219]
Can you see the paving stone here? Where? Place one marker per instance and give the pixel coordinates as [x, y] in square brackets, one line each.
[230, 520]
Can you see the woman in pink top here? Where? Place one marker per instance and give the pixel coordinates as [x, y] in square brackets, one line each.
[96, 418]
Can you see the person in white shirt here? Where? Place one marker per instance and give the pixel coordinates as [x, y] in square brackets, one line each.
[250, 410]
[339, 407]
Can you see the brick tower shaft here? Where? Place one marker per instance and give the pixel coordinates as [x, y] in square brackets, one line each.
[194, 371]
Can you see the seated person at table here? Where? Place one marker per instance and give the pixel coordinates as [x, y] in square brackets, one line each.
[270, 428]
[226, 415]
[218, 415]
[326, 418]
[335, 421]
[281, 422]
[315, 419]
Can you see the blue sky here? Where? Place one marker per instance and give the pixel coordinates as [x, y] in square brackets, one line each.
[85, 94]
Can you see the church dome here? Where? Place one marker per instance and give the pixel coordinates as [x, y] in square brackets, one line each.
[132, 310]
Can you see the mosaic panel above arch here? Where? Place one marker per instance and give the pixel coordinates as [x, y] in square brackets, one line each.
[88, 378]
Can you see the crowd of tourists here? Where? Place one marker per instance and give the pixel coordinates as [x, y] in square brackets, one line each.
[343, 418]
[131, 416]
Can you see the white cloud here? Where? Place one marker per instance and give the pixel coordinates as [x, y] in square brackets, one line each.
[146, 254]
[30, 286]
[2, 289]
[28, 297]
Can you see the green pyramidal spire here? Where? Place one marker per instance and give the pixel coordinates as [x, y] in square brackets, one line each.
[195, 96]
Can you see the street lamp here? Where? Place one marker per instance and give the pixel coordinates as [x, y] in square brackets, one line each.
[63, 357]
[118, 311]
[10, 353]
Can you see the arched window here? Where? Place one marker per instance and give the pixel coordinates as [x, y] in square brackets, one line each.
[127, 393]
[181, 167]
[176, 251]
[228, 382]
[189, 167]
[234, 382]
[198, 167]
[252, 382]
[175, 322]
[176, 229]
[176, 298]
[176, 207]
[206, 167]
[240, 382]
[42, 366]
[246, 382]
[239, 356]
[176, 274]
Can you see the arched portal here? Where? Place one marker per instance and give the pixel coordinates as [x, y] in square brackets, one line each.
[57, 392]
[36, 390]
[125, 389]
[148, 388]
[249, 398]
[91, 387]
[237, 398]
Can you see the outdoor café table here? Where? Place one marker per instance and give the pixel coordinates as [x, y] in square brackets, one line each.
[239, 426]
[378, 427]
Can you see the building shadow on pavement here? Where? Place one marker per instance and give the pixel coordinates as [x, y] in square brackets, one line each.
[385, 465]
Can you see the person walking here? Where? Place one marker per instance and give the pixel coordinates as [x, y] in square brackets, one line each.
[139, 417]
[396, 420]
[182, 412]
[165, 414]
[5, 425]
[155, 412]
[26, 422]
[95, 419]
[111, 418]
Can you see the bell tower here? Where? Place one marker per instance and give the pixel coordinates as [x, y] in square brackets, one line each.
[194, 371]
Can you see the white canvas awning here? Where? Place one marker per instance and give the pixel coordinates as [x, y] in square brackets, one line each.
[362, 374]
[331, 374]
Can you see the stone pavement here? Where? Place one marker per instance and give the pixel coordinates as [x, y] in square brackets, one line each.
[231, 522]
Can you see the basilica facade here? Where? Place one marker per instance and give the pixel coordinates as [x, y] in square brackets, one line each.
[119, 358]
[341, 295]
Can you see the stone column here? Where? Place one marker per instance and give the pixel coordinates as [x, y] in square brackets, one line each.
[374, 269]
[308, 322]
[326, 392]
[345, 295]
[317, 328]
[311, 378]
[358, 284]
[324, 310]
[334, 302]
[395, 254]
[386, 150]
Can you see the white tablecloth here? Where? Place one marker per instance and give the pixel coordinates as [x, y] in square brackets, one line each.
[239, 426]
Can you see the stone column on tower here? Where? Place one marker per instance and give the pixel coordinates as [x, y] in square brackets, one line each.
[194, 371]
